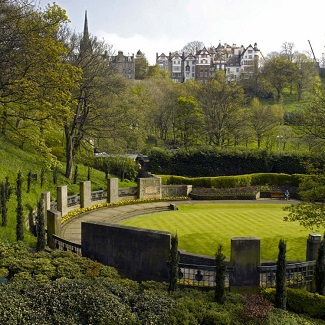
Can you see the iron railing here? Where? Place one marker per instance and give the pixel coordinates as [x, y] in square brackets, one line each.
[298, 275]
[199, 275]
[65, 245]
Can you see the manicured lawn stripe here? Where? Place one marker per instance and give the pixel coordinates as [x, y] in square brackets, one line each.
[202, 227]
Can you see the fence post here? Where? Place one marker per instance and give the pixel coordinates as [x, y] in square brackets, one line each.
[244, 260]
[313, 242]
[53, 226]
[112, 190]
[85, 194]
[62, 199]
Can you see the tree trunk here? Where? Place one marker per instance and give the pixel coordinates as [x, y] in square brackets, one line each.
[68, 154]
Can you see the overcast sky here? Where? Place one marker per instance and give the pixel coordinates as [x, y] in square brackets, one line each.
[168, 25]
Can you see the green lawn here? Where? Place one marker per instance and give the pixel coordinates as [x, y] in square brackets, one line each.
[202, 227]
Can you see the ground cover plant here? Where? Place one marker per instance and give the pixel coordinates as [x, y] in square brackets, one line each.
[202, 227]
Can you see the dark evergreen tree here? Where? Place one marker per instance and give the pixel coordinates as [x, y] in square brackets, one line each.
[40, 226]
[29, 181]
[173, 264]
[55, 175]
[19, 209]
[5, 193]
[42, 177]
[89, 173]
[3, 204]
[281, 292]
[320, 269]
[221, 268]
[75, 175]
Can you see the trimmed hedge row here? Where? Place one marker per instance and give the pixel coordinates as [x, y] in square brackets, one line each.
[221, 162]
[234, 181]
[301, 301]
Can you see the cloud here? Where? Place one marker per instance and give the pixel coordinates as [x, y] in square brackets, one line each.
[130, 45]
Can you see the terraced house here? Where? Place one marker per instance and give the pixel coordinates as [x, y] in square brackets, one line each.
[237, 62]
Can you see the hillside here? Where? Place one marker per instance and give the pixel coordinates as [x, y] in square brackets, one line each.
[15, 159]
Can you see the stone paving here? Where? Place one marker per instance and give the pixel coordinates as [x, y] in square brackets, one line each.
[71, 230]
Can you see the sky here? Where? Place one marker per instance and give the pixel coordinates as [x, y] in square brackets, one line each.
[166, 26]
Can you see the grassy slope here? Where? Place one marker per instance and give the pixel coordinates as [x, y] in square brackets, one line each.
[14, 159]
[200, 228]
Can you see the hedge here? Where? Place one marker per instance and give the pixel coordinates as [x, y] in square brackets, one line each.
[234, 181]
[224, 161]
[301, 301]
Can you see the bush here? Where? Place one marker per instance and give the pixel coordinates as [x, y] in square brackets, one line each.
[301, 301]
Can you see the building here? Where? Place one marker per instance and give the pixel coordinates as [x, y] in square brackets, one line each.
[236, 61]
[123, 64]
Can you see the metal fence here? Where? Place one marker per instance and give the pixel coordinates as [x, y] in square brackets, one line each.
[64, 245]
[298, 275]
[98, 195]
[199, 275]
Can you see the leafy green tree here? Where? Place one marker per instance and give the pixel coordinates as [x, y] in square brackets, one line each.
[95, 110]
[221, 268]
[40, 226]
[320, 269]
[140, 66]
[263, 119]
[280, 292]
[188, 121]
[221, 102]
[19, 209]
[306, 75]
[279, 72]
[35, 83]
[173, 264]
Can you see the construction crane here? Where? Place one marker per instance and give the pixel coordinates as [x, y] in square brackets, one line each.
[312, 51]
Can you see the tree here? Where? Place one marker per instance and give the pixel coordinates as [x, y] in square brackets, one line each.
[40, 226]
[188, 120]
[220, 102]
[19, 209]
[35, 82]
[310, 213]
[280, 291]
[279, 72]
[93, 113]
[306, 75]
[221, 268]
[192, 47]
[5, 193]
[263, 119]
[173, 264]
[320, 269]
[140, 66]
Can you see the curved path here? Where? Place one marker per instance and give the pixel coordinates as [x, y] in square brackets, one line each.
[71, 230]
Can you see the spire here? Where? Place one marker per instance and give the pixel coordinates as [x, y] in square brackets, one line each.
[85, 44]
[86, 32]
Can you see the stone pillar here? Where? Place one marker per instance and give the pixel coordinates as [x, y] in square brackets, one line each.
[62, 199]
[244, 260]
[313, 242]
[85, 194]
[46, 197]
[149, 188]
[112, 190]
[53, 226]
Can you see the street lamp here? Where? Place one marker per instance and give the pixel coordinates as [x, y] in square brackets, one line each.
[279, 137]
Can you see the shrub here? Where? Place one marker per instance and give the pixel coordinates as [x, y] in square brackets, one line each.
[256, 309]
[300, 301]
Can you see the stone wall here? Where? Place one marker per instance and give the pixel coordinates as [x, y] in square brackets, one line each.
[138, 254]
[175, 190]
[149, 188]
